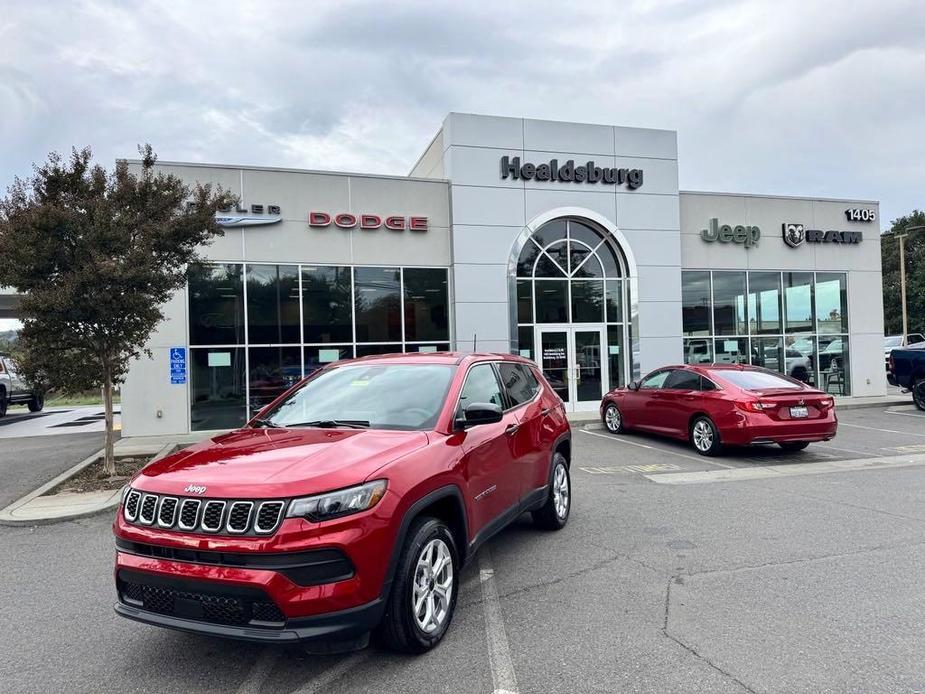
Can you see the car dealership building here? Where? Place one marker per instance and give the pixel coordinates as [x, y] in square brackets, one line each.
[567, 243]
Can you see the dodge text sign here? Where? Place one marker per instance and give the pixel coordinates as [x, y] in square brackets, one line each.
[349, 220]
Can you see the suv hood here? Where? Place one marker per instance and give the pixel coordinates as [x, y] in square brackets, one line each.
[265, 463]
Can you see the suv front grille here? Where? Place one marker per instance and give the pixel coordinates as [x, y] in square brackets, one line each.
[236, 517]
[215, 604]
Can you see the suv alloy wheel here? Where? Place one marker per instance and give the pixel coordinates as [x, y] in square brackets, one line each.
[423, 598]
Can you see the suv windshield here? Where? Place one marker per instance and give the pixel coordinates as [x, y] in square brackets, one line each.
[380, 396]
[757, 380]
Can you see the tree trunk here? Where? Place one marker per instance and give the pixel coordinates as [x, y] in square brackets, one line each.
[109, 458]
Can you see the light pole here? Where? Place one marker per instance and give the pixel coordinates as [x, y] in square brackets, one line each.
[902, 272]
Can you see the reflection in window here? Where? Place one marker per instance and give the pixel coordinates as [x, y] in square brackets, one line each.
[698, 351]
[615, 358]
[764, 303]
[731, 350]
[319, 357]
[695, 300]
[426, 305]
[831, 303]
[378, 304]
[217, 388]
[729, 303]
[769, 353]
[216, 304]
[551, 301]
[273, 304]
[798, 301]
[327, 310]
[272, 371]
[833, 364]
[587, 301]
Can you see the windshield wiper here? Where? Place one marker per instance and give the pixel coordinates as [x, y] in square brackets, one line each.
[265, 424]
[331, 423]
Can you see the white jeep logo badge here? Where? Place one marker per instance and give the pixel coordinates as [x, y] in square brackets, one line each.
[794, 234]
[195, 489]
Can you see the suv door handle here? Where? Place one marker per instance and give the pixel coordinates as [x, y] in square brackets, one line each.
[546, 411]
[512, 429]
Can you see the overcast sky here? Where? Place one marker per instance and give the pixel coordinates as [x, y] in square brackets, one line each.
[790, 97]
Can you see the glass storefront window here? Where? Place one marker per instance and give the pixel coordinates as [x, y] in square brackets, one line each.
[801, 355]
[426, 304]
[525, 301]
[614, 301]
[731, 350]
[729, 304]
[833, 364]
[273, 304]
[698, 351]
[525, 342]
[551, 301]
[432, 347]
[216, 304]
[695, 303]
[769, 353]
[317, 357]
[615, 358]
[271, 372]
[378, 304]
[217, 388]
[831, 303]
[367, 350]
[764, 303]
[798, 302]
[587, 301]
[327, 309]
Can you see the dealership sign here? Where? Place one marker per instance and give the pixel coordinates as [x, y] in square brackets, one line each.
[568, 172]
[248, 216]
[859, 214]
[795, 234]
[349, 220]
[724, 233]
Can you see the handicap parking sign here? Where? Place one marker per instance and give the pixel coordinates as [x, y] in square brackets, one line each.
[178, 365]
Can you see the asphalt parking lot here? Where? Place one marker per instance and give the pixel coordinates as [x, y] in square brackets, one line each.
[793, 583]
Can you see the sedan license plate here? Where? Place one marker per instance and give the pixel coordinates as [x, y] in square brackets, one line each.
[799, 412]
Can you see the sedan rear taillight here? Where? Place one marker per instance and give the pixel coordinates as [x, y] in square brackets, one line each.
[826, 404]
[754, 405]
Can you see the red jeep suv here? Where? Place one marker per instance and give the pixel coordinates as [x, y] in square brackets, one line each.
[348, 504]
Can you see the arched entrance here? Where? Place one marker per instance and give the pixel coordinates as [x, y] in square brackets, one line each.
[572, 296]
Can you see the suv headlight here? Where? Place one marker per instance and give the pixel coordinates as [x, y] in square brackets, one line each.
[343, 502]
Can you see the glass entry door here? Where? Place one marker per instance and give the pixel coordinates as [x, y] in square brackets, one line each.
[573, 361]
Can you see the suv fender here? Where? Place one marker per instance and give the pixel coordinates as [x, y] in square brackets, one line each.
[538, 496]
[449, 491]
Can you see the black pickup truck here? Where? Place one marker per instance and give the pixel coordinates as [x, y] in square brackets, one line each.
[907, 370]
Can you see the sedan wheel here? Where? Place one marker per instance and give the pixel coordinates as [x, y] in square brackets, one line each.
[704, 437]
[613, 420]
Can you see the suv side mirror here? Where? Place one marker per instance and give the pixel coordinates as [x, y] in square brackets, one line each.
[479, 413]
[633, 385]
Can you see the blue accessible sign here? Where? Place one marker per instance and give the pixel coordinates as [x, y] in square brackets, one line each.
[178, 365]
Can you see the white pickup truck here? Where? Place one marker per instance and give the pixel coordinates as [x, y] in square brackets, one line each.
[13, 391]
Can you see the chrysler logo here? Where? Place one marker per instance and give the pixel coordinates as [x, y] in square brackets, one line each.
[794, 234]
[195, 489]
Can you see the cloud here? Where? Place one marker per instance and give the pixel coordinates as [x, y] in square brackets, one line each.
[786, 97]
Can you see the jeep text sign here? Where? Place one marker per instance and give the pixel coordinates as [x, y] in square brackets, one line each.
[568, 172]
[349, 220]
[724, 233]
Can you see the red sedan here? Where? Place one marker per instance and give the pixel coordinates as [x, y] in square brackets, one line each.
[717, 405]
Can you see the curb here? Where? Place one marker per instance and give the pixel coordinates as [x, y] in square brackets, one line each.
[6, 515]
[868, 405]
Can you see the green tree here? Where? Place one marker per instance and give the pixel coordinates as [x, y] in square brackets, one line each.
[95, 255]
[915, 275]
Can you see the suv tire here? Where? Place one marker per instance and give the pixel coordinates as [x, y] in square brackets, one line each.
[613, 419]
[704, 437]
[429, 543]
[553, 514]
[36, 403]
[3, 402]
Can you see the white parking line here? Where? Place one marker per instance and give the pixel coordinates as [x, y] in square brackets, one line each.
[618, 439]
[906, 414]
[836, 448]
[888, 431]
[503, 678]
[782, 471]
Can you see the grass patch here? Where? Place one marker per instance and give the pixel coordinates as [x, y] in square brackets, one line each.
[93, 479]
